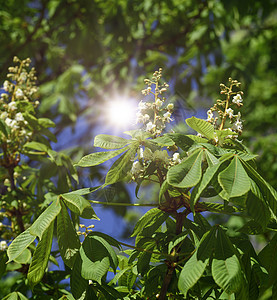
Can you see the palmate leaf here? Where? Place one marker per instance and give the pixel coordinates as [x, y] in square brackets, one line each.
[106, 141]
[78, 204]
[78, 284]
[196, 265]
[234, 179]
[268, 192]
[256, 206]
[19, 244]
[15, 296]
[149, 222]
[203, 127]
[182, 140]
[226, 269]
[120, 167]
[268, 259]
[68, 239]
[40, 257]
[97, 256]
[219, 208]
[205, 181]
[97, 158]
[45, 219]
[188, 173]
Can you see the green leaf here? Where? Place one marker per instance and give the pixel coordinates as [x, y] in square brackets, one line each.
[3, 128]
[211, 159]
[41, 257]
[110, 142]
[45, 219]
[205, 181]
[19, 244]
[176, 241]
[120, 167]
[78, 284]
[184, 141]
[256, 206]
[97, 256]
[15, 296]
[268, 192]
[113, 242]
[76, 203]
[149, 222]
[164, 141]
[201, 126]
[163, 189]
[44, 122]
[268, 259]
[98, 158]
[24, 257]
[188, 173]
[251, 227]
[226, 268]
[68, 239]
[219, 208]
[196, 265]
[36, 146]
[81, 192]
[234, 179]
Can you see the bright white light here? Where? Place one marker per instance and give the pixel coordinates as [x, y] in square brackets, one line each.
[121, 113]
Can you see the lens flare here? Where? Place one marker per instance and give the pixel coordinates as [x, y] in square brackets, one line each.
[121, 113]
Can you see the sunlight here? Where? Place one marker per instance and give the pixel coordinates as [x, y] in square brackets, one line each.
[121, 112]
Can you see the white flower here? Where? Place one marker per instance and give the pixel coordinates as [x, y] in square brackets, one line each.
[11, 123]
[145, 118]
[237, 99]
[142, 105]
[136, 168]
[12, 105]
[230, 112]
[3, 245]
[158, 103]
[167, 116]
[163, 90]
[19, 93]
[4, 115]
[170, 106]
[23, 76]
[139, 117]
[19, 117]
[150, 126]
[238, 125]
[176, 158]
[6, 85]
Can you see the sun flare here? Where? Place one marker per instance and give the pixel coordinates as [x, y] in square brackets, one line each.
[121, 112]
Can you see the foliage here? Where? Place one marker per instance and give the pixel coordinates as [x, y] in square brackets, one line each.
[179, 252]
[86, 52]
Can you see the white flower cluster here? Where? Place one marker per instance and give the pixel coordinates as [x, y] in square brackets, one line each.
[145, 157]
[224, 111]
[154, 115]
[19, 92]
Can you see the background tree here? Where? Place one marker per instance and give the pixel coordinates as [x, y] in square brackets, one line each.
[85, 53]
[90, 51]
